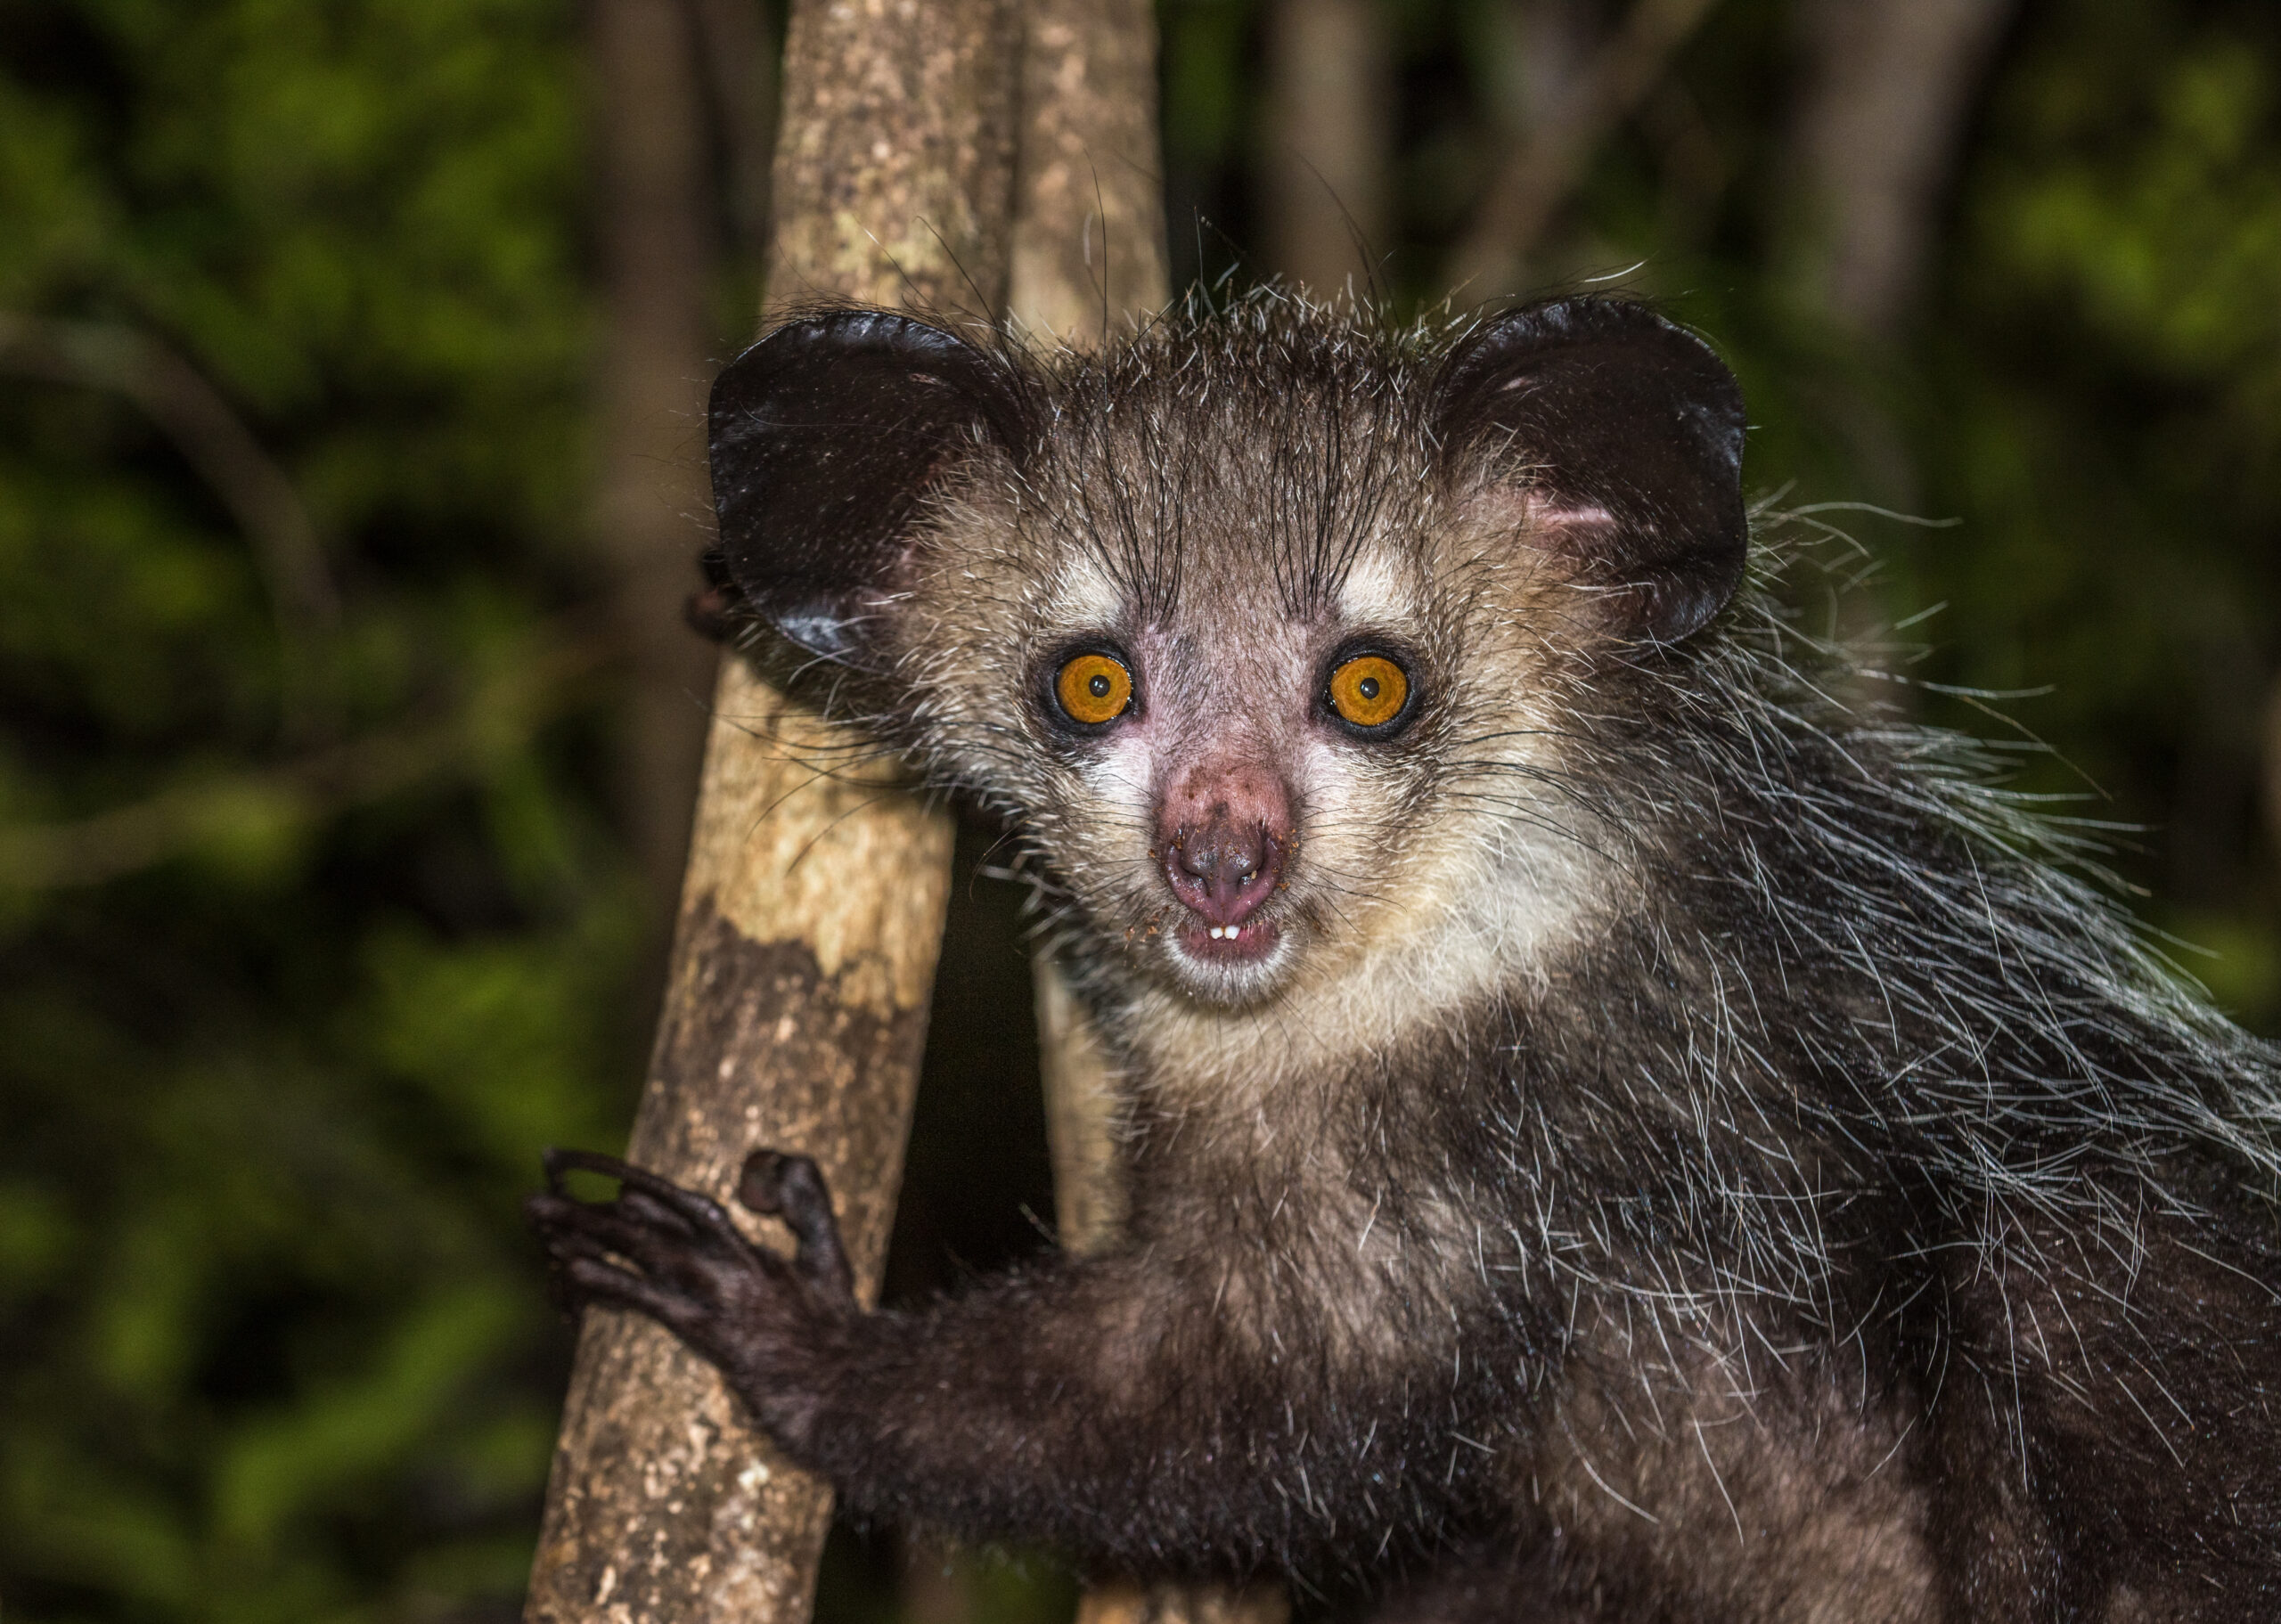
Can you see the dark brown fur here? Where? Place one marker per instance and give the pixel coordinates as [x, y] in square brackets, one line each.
[1693, 1151]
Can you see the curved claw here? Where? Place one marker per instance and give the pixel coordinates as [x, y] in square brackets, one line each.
[557, 1161]
[678, 1257]
[595, 1281]
[633, 1227]
[792, 1188]
[643, 1188]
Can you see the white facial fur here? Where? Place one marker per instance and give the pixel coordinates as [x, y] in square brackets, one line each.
[1428, 870]
[1228, 541]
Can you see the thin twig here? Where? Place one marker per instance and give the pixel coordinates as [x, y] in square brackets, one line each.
[1547, 166]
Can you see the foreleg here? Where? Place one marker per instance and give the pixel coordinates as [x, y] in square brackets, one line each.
[1114, 1406]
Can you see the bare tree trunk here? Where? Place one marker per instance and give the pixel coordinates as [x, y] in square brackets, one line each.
[1088, 226]
[1554, 42]
[1890, 87]
[813, 907]
[895, 169]
[1329, 111]
[1089, 1194]
[1090, 258]
[658, 259]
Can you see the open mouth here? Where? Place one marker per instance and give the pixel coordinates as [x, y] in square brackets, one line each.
[1246, 942]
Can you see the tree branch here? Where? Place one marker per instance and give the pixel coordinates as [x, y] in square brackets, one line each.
[1546, 167]
[796, 1007]
[1089, 261]
[1329, 110]
[658, 250]
[733, 42]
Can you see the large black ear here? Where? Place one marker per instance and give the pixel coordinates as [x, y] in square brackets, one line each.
[825, 436]
[1624, 435]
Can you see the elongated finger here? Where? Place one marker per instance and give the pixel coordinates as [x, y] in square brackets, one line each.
[615, 1287]
[557, 1161]
[649, 1193]
[698, 1211]
[642, 1208]
[564, 1223]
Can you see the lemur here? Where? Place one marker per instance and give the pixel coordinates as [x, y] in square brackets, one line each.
[1618, 1129]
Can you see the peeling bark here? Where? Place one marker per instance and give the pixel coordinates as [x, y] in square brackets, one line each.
[796, 1013]
[812, 909]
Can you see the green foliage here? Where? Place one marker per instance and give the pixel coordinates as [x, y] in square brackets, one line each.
[275, 1345]
[2101, 400]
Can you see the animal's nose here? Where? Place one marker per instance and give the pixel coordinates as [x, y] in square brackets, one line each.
[1225, 870]
[1224, 833]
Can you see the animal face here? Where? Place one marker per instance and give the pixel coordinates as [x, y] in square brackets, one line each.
[1237, 744]
[1263, 643]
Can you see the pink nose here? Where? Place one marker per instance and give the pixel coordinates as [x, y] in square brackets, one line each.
[1224, 832]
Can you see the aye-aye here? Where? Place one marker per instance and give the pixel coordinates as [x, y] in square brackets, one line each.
[1615, 1128]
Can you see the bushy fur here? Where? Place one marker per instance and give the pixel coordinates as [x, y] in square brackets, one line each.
[1700, 1151]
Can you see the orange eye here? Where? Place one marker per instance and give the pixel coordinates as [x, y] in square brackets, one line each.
[1094, 688]
[1368, 690]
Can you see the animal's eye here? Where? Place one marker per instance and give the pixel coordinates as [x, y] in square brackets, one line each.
[1094, 688]
[1368, 690]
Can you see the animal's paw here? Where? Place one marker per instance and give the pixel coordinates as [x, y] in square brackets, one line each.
[768, 1322]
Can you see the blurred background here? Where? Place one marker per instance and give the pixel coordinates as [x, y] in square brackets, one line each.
[351, 360]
